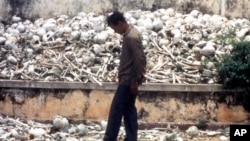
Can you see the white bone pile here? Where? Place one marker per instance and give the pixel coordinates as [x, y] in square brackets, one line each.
[60, 129]
[180, 48]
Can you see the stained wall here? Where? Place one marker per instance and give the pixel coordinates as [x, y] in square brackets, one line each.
[152, 107]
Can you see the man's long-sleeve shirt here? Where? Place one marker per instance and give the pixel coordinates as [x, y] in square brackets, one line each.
[132, 59]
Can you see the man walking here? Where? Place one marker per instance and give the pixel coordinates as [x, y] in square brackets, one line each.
[130, 75]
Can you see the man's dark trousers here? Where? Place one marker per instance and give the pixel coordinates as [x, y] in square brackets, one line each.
[123, 104]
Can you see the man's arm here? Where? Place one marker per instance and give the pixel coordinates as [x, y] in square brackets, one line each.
[139, 60]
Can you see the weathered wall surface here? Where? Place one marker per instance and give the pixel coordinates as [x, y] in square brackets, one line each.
[152, 107]
[48, 8]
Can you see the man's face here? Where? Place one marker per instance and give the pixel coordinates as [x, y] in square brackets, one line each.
[117, 28]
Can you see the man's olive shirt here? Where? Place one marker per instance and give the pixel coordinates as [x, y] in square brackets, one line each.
[132, 59]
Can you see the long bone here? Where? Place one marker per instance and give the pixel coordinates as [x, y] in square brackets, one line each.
[5, 136]
[2, 64]
[76, 76]
[166, 48]
[65, 71]
[82, 70]
[192, 75]
[105, 66]
[156, 80]
[68, 78]
[190, 62]
[157, 76]
[190, 80]
[75, 67]
[156, 45]
[50, 64]
[45, 72]
[18, 122]
[176, 78]
[25, 65]
[95, 80]
[158, 66]
[24, 76]
[173, 75]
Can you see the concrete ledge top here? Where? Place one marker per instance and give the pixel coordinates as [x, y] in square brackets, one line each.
[113, 86]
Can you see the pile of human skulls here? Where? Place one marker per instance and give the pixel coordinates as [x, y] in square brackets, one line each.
[60, 129]
[179, 47]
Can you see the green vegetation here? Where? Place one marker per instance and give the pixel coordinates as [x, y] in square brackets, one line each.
[234, 68]
[202, 124]
[228, 37]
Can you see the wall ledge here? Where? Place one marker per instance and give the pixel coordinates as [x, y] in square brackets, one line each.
[113, 86]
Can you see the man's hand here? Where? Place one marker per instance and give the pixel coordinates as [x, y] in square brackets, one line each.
[143, 74]
[142, 77]
[134, 88]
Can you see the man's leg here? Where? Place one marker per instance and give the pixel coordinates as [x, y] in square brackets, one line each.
[116, 112]
[130, 119]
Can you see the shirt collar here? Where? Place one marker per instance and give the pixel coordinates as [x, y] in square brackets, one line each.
[127, 31]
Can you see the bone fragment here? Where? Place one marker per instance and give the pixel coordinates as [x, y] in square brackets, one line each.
[16, 121]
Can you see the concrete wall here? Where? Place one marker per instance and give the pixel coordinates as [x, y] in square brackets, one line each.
[48, 8]
[152, 107]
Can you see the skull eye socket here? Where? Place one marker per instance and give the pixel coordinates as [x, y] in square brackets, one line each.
[36, 42]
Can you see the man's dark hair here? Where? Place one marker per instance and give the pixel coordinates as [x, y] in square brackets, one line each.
[115, 18]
